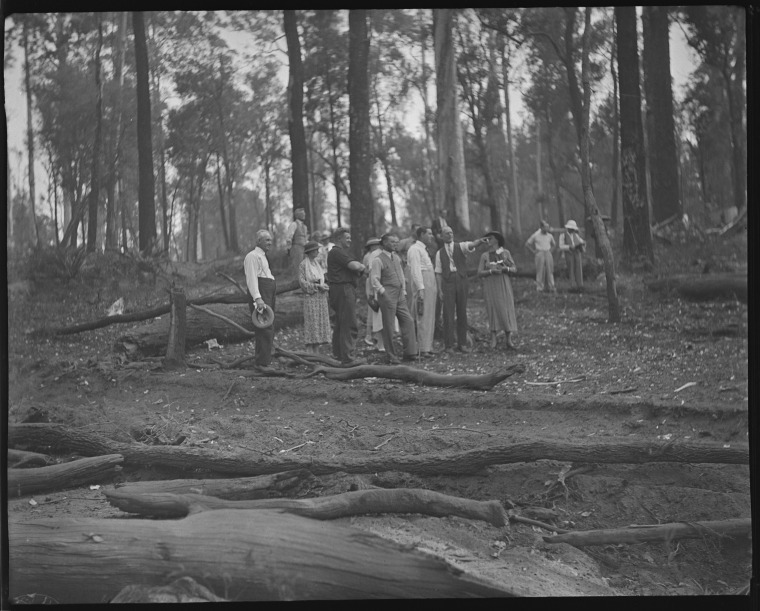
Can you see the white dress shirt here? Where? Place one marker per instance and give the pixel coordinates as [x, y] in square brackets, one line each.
[256, 266]
[465, 247]
[418, 260]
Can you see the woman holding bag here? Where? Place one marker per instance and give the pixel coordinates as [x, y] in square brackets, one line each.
[494, 266]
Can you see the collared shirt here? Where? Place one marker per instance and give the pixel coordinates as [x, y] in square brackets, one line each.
[337, 267]
[465, 247]
[418, 260]
[541, 241]
[386, 271]
[256, 265]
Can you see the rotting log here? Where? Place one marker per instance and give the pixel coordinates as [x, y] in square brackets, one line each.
[735, 527]
[701, 287]
[96, 469]
[45, 437]
[175, 346]
[243, 555]
[238, 488]
[420, 376]
[358, 502]
[182, 590]
[18, 459]
[151, 339]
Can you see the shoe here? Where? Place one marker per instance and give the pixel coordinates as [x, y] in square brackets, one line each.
[449, 350]
[369, 342]
[427, 355]
[393, 360]
[493, 342]
[354, 362]
[411, 357]
[465, 349]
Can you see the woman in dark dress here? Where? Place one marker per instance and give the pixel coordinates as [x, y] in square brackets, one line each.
[494, 266]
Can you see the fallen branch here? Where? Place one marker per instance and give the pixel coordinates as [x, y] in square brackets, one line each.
[306, 358]
[700, 287]
[67, 475]
[182, 590]
[255, 555]
[735, 527]
[580, 379]
[18, 459]
[358, 502]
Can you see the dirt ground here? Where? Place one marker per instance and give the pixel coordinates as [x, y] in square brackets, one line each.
[585, 379]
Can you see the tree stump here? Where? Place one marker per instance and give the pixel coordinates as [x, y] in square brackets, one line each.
[175, 349]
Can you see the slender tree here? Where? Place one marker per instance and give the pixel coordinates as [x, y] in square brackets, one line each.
[29, 126]
[92, 215]
[514, 195]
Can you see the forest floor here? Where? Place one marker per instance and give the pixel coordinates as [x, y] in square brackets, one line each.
[584, 380]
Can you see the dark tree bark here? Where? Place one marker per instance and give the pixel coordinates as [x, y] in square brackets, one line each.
[298, 150]
[360, 153]
[614, 200]
[663, 155]
[29, 130]
[66, 475]
[146, 195]
[637, 237]
[515, 196]
[112, 216]
[175, 349]
[92, 214]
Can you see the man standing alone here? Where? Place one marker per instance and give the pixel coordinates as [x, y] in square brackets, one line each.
[541, 244]
[451, 279]
[343, 272]
[261, 290]
[296, 237]
[423, 289]
[387, 278]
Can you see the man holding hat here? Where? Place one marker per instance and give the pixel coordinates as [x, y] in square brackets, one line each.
[573, 245]
[261, 293]
[374, 326]
[296, 237]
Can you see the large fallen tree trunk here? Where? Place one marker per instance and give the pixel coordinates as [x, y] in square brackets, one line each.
[151, 339]
[735, 527]
[47, 437]
[420, 376]
[700, 287]
[227, 298]
[243, 555]
[182, 590]
[18, 459]
[358, 502]
[97, 469]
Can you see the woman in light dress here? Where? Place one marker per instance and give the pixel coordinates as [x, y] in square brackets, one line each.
[316, 315]
[495, 265]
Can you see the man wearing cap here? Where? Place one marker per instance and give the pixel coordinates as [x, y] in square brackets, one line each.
[573, 245]
[452, 283]
[387, 278]
[261, 292]
[423, 289]
[296, 237]
[541, 244]
[343, 272]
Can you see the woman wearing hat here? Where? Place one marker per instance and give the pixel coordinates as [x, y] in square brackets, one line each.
[374, 326]
[316, 316]
[494, 266]
[572, 244]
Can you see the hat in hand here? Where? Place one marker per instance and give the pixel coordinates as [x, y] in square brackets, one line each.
[262, 319]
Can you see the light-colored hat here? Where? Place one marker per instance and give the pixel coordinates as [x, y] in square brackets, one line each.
[325, 236]
[372, 242]
[571, 225]
[264, 319]
[310, 246]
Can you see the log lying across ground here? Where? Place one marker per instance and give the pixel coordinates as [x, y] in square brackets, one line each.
[18, 459]
[44, 437]
[420, 376]
[242, 555]
[359, 502]
[182, 590]
[95, 470]
[698, 287]
[736, 527]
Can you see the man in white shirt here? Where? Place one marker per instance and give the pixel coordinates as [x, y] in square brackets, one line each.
[261, 290]
[541, 244]
[422, 288]
[296, 237]
[451, 279]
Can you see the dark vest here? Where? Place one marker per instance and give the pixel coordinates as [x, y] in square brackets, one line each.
[459, 260]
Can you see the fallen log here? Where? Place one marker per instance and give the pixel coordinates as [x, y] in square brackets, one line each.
[420, 376]
[182, 590]
[358, 502]
[151, 339]
[45, 437]
[239, 488]
[243, 555]
[18, 459]
[735, 527]
[701, 287]
[97, 469]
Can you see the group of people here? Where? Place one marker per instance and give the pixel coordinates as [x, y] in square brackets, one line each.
[411, 285]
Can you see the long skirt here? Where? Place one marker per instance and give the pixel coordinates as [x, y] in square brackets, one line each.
[500, 303]
[316, 319]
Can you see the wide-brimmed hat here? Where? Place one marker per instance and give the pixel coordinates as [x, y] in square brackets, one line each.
[310, 246]
[325, 236]
[372, 242]
[497, 235]
[571, 225]
[263, 319]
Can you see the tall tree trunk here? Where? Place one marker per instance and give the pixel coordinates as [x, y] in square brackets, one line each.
[267, 188]
[429, 160]
[539, 182]
[156, 72]
[112, 216]
[591, 208]
[452, 180]
[383, 157]
[515, 196]
[663, 156]
[92, 215]
[637, 236]
[298, 151]
[734, 84]
[222, 213]
[576, 103]
[360, 153]
[553, 166]
[29, 129]
[333, 143]
[146, 197]
[614, 199]
[496, 144]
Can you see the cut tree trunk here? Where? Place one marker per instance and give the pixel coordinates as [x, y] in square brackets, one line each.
[420, 376]
[151, 339]
[736, 527]
[616, 451]
[97, 469]
[358, 502]
[175, 348]
[245, 555]
[701, 287]
[19, 459]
